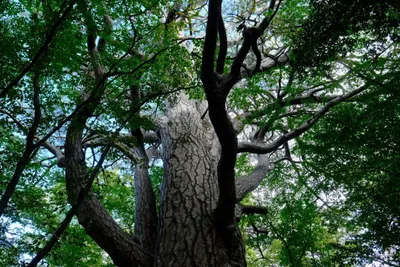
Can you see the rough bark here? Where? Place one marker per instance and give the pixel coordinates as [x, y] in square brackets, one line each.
[247, 184]
[196, 225]
[98, 223]
[187, 233]
[145, 202]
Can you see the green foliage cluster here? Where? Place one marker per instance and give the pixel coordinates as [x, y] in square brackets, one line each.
[40, 201]
[335, 27]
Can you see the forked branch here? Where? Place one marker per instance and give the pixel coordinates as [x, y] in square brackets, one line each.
[263, 149]
[49, 38]
[29, 148]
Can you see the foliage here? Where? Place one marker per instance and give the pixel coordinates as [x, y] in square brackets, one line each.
[332, 195]
[336, 27]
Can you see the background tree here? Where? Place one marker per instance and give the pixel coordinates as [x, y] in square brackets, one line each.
[103, 116]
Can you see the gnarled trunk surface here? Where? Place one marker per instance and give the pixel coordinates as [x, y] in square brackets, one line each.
[187, 234]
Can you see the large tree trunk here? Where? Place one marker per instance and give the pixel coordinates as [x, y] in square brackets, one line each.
[187, 233]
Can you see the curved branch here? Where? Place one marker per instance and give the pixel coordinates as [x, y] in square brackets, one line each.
[267, 21]
[246, 184]
[14, 119]
[251, 36]
[65, 223]
[254, 210]
[97, 222]
[56, 152]
[210, 44]
[42, 50]
[262, 149]
[145, 209]
[50, 147]
[29, 148]
[223, 44]
[265, 64]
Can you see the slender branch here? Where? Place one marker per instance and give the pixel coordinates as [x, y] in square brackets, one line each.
[143, 63]
[267, 21]
[310, 97]
[42, 50]
[101, 140]
[29, 148]
[257, 230]
[14, 119]
[65, 223]
[91, 98]
[52, 148]
[262, 149]
[251, 36]
[286, 244]
[223, 43]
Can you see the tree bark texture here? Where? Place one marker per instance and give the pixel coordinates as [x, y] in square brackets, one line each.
[187, 233]
[98, 223]
[145, 209]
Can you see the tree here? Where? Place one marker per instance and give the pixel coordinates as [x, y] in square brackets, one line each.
[118, 88]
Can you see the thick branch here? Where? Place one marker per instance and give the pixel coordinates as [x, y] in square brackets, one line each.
[251, 36]
[223, 44]
[258, 59]
[254, 210]
[246, 184]
[92, 216]
[56, 152]
[65, 223]
[210, 44]
[217, 89]
[145, 200]
[172, 14]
